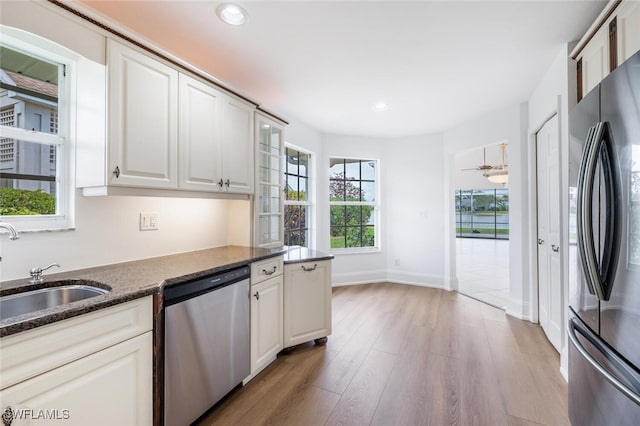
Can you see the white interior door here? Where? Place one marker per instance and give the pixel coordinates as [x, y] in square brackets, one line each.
[550, 302]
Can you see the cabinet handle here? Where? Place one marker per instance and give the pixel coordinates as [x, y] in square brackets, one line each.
[227, 183]
[555, 248]
[310, 269]
[220, 183]
[271, 272]
[116, 172]
[257, 295]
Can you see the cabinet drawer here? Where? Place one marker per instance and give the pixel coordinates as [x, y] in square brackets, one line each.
[266, 269]
[110, 387]
[33, 352]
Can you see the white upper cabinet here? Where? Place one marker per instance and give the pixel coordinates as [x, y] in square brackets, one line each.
[167, 130]
[628, 15]
[142, 117]
[216, 134]
[612, 39]
[200, 135]
[237, 145]
[595, 60]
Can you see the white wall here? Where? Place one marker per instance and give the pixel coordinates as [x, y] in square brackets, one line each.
[413, 215]
[107, 232]
[506, 125]
[353, 268]
[303, 137]
[555, 94]
[410, 216]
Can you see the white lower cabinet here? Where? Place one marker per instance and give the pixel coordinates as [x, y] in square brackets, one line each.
[91, 369]
[266, 322]
[110, 387]
[307, 301]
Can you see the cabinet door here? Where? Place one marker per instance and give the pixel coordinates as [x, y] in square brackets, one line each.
[199, 136]
[307, 300]
[143, 117]
[266, 322]
[595, 60]
[269, 203]
[110, 387]
[237, 146]
[628, 16]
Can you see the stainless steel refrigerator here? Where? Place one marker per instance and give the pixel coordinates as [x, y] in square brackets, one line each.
[604, 256]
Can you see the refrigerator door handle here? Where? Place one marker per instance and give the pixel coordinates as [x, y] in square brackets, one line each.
[584, 216]
[612, 238]
[599, 145]
[574, 328]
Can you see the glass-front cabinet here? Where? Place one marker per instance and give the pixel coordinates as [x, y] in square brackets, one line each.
[268, 231]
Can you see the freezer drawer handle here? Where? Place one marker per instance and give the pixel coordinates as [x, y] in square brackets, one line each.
[572, 328]
[309, 269]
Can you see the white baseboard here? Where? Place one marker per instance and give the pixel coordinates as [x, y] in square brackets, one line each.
[351, 278]
[518, 310]
[382, 275]
[412, 278]
[564, 363]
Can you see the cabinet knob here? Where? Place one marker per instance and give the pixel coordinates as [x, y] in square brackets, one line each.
[555, 248]
[228, 183]
[540, 241]
[220, 183]
[309, 269]
[116, 172]
[257, 295]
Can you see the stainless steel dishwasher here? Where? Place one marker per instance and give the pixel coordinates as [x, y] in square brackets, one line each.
[207, 347]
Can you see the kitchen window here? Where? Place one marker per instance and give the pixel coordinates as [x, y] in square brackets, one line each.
[353, 204]
[297, 204]
[35, 152]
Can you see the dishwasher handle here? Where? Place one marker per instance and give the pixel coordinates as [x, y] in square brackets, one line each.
[183, 291]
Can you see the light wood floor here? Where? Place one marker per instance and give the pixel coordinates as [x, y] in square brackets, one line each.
[405, 355]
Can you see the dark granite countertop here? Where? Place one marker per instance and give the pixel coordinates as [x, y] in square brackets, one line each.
[128, 281]
[302, 254]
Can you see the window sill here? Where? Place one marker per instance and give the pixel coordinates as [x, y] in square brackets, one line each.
[32, 224]
[368, 250]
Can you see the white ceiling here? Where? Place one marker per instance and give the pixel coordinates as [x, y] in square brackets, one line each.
[326, 63]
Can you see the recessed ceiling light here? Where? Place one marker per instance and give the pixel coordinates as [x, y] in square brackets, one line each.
[380, 106]
[232, 14]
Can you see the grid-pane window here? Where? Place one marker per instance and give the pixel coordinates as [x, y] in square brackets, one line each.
[353, 203]
[297, 204]
[30, 138]
[482, 213]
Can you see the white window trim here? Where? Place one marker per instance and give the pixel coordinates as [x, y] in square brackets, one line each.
[49, 51]
[377, 248]
[310, 203]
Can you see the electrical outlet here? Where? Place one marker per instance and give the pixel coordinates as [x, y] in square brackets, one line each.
[148, 221]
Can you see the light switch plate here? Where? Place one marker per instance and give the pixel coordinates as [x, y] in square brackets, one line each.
[148, 221]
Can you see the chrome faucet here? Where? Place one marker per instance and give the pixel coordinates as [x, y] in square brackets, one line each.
[36, 273]
[9, 227]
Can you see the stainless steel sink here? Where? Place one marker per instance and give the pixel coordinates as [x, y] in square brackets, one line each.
[45, 298]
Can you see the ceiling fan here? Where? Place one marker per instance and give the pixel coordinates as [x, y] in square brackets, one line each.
[486, 167]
